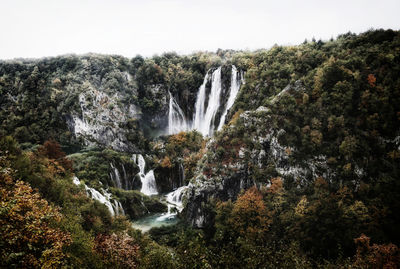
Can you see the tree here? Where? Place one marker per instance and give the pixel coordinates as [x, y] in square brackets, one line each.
[249, 214]
[375, 256]
[28, 237]
[117, 250]
[51, 149]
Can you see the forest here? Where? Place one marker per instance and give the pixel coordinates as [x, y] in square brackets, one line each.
[302, 173]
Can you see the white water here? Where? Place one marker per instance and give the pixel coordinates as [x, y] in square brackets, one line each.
[176, 119]
[174, 203]
[204, 120]
[141, 163]
[116, 177]
[201, 98]
[236, 80]
[114, 207]
[149, 186]
[204, 116]
[148, 180]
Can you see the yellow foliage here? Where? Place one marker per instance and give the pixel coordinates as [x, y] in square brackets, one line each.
[26, 220]
[316, 137]
[347, 167]
[235, 117]
[166, 162]
[301, 208]
[395, 154]
[249, 214]
[276, 186]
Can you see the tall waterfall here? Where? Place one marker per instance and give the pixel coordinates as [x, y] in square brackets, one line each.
[206, 106]
[176, 118]
[204, 119]
[236, 80]
[149, 186]
[201, 98]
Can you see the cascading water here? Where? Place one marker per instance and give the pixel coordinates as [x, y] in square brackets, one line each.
[114, 206]
[115, 176]
[141, 163]
[149, 186]
[181, 174]
[200, 103]
[176, 118]
[148, 180]
[236, 81]
[204, 120]
[174, 203]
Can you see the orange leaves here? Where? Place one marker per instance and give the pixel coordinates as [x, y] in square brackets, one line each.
[179, 138]
[376, 256]
[51, 149]
[249, 214]
[276, 186]
[118, 251]
[166, 162]
[26, 227]
[235, 117]
[371, 80]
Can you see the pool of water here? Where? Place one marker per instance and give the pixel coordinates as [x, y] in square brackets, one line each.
[156, 220]
[174, 202]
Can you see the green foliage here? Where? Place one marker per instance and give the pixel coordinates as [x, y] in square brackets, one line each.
[340, 107]
[137, 204]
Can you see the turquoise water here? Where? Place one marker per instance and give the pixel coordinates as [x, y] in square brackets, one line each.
[174, 202]
[156, 220]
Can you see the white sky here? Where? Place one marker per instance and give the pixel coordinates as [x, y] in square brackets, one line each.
[37, 28]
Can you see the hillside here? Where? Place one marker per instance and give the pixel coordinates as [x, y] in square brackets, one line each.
[279, 158]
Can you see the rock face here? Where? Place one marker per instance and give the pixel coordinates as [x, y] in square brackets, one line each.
[223, 175]
[101, 119]
[198, 195]
[169, 179]
[103, 113]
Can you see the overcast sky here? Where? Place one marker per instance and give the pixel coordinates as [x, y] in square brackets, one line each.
[37, 28]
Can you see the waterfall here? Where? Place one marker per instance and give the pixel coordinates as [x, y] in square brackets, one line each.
[181, 174]
[149, 184]
[114, 208]
[201, 98]
[204, 116]
[174, 201]
[175, 197]
[141, 163]
[116, 177]
[176, 117]
[236, 80]
[204, 120]
[127, 185]
[118, 208]
[148, 180]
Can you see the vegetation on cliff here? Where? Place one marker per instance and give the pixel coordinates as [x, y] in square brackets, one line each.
[304, 174]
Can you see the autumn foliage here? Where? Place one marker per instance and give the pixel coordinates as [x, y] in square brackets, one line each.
[376, 256]
[51, 149]
[28, 236]
[371, 80]
[117, 251]
[249, 214]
